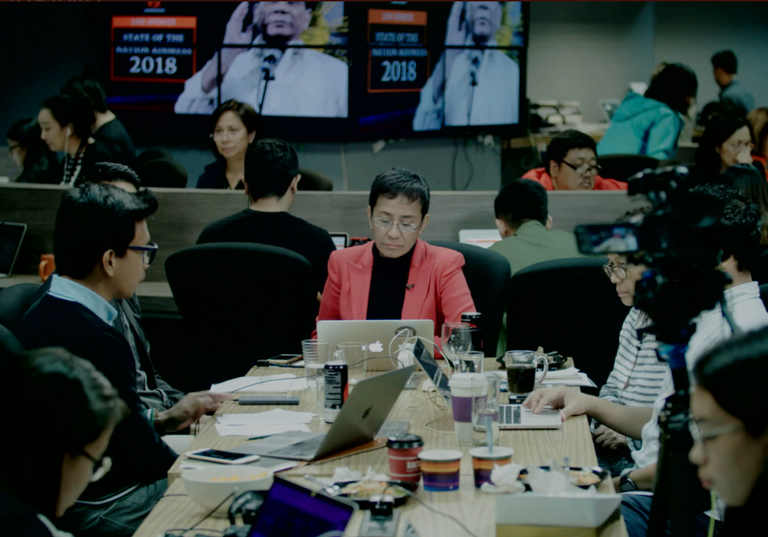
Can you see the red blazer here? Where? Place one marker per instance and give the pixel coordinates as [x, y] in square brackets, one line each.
[439, 292]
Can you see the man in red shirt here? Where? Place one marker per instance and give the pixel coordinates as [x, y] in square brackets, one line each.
[572, 165]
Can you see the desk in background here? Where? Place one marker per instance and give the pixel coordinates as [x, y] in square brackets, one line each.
[475, 509]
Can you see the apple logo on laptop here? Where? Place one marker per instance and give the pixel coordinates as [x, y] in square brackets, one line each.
[376, 347]
[367, 411]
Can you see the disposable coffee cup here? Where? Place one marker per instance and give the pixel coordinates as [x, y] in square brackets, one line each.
[466, 389]
[403, 452]
[484, 462]
[440, 469]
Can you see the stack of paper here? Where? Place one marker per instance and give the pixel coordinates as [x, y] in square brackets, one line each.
[565, 377]
[283, 383]
[263, 423]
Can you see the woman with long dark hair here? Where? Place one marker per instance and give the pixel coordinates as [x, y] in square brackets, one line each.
[37, 162]
[727, 140]
[748, 180]
[651, 124]
[65, 124]
[56, 444]
[730, 429]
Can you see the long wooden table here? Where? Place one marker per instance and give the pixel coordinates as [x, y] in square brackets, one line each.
[475, 509]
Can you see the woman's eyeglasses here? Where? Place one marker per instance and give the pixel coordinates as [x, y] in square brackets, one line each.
[620, 271]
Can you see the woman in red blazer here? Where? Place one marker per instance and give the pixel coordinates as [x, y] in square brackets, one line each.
[377, 280]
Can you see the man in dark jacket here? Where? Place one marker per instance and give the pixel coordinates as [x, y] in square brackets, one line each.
[102, 248]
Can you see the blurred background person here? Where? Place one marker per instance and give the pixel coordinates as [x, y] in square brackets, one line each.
[65, 125]
[727, 140]
[752, 185]
[733, 96]
[730, 429]
[233, 129]
[38, 164]
[758, 118]
[60, 447]
[107, 128]
[651, 124]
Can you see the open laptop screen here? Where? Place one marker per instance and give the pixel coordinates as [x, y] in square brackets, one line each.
[340, 240]
[293, 510]
[11, 236]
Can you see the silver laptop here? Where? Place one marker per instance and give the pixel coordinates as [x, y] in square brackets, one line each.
[519, 417]
[340, 240]
[11, 237]
[360, 418]
[377, 335]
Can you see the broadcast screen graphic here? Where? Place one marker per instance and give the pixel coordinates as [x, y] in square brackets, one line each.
[442, 65]
[330, 71]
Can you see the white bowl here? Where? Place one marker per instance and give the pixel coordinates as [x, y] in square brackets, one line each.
[532, 509]
[211, 485]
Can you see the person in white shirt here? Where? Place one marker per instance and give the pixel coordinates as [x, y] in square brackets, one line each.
[747, 312]
[478, 86]
[276, 80]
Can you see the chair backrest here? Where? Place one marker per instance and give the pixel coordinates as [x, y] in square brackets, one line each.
[242, 302]
[622, 167]
[568, 306]
[487, 275]
[9, 344]
[760, 273]
[14, 303]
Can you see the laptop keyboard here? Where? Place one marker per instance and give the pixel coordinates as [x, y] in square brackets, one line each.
[510, 414]
[302, 449]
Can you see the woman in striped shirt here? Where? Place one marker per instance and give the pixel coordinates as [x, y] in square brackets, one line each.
[638, 375]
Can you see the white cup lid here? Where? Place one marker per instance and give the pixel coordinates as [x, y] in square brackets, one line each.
[467, 380]
[441, 455]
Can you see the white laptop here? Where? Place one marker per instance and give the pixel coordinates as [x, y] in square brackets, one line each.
[11, 237]
[377, 335]
[479, 237]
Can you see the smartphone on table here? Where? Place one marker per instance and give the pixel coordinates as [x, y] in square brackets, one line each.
[223, 457]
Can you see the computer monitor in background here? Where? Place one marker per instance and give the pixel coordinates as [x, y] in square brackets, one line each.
[340, 240]
[11, 237]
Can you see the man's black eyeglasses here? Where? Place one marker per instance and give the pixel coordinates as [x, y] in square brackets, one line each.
[583, 168]
[149, 252]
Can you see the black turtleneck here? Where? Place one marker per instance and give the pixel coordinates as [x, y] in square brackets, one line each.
[388, 281]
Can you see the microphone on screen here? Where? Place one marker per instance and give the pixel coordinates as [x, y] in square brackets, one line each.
[269, 64]
[409, 286]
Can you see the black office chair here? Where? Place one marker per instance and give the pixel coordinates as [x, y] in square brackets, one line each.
[9, 345]
[487, 275]
[764, 295]
[760, 273]
[14, 303]
[568, 306]
[622, 167]
[241, 303]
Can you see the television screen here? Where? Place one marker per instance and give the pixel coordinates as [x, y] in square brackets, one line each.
[321, 71]
[443, 66]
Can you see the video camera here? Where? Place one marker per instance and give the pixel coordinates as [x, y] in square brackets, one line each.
[678, 239]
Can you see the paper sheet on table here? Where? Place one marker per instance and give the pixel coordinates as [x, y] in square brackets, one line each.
[270, 417]
[283, 383]
[571, 372]
[255, 430]
[581, 380]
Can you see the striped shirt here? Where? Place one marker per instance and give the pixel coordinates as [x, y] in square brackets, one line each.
[638, 375]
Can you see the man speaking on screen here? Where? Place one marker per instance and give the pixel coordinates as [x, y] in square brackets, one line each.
[473, 86]
[275, 79]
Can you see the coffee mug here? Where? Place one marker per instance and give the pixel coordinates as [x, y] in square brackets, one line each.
[46, 267]
[521, 371]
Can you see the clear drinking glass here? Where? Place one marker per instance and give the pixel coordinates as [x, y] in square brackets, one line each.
[456, 338]
[355, 354]
[471, 362]
[316, 353]
[485, 413]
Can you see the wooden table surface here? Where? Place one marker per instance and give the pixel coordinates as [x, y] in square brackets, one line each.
[475, 509]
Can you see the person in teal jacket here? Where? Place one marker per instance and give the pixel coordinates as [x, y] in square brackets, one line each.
[650, 124]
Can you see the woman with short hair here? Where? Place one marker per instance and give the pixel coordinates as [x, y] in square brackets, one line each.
[233, 129]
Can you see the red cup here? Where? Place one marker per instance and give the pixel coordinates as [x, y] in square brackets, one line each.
[403, 451]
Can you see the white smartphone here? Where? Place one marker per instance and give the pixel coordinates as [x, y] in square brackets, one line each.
[223, 457]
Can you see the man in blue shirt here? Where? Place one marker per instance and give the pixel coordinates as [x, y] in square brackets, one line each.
[102, 248]
[733, 95]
